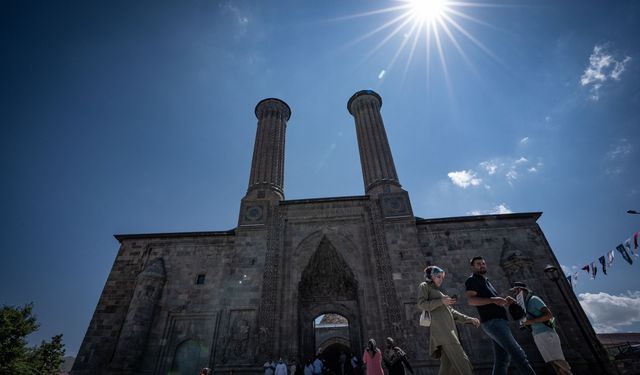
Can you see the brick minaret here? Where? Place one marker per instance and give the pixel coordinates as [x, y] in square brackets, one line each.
[267, 167]
[378, 170]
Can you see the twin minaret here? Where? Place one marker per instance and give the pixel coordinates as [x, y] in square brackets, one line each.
[267, 167]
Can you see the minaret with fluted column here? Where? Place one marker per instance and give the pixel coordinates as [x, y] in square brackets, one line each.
[378, 170]
[267, 166]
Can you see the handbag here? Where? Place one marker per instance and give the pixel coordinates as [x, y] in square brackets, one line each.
[425, 319]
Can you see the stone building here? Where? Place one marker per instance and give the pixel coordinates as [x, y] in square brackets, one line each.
[176, 302]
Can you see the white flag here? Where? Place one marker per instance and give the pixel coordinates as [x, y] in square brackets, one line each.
[610, 256]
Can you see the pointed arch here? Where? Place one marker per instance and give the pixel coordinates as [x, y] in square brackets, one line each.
[327, 276]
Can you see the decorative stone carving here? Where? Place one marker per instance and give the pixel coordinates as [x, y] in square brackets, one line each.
[253, 213]
[327, 276]
[236, 346]
[395, 205]
[517, 265]
[385, 278]
[184, 328]
[268, 304]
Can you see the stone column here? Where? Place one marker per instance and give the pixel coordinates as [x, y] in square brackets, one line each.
[378, 170]
[267, 167]
[135, 329]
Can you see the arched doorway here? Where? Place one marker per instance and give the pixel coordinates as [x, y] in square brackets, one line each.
[332, 340]
[328, 288]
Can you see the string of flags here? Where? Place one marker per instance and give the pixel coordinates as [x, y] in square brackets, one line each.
[626, 249]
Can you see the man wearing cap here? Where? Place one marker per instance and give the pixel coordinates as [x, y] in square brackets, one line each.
[493, 318]
[542, 324]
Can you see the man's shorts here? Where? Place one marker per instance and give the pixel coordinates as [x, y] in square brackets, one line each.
[548, 344]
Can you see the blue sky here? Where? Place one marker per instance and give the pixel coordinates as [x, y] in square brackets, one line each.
[137, 117]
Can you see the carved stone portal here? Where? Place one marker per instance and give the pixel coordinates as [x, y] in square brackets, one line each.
[327, 276]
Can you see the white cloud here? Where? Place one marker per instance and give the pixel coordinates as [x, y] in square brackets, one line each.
[524, 140]
[602, 67]
[611, 313]
[464, 179]
[532, 169]
[512, 175]
[521, 160]
[501, 209]
[497, 210]
[382, 73]
[241, 19]
[619, 68]
[547, 119]
[619, 150]
[489, 166]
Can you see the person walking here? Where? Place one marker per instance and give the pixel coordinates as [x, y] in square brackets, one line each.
[494, 322]
[395, 358]
[372, 359]
[540, 321]
[444, 342]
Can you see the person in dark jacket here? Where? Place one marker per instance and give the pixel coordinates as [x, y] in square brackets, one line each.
[395, 359]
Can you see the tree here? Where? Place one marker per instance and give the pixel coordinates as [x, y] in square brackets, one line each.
[48, 357]
[16, 323]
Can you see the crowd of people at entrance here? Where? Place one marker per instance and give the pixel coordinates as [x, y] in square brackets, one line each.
[439, 314]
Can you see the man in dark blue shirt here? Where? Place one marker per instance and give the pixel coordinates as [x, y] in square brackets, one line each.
[493, 320]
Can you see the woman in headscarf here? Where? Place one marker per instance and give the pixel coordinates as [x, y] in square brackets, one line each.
[395, 359]
[372, 359]
[443, 341]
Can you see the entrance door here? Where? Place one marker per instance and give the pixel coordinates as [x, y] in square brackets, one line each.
[328, 287]
[333, 340]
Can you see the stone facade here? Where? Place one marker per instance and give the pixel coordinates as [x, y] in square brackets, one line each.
[176, 302]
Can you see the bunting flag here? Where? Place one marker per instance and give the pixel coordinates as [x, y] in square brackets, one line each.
[606, 261]
[610, 256]
[627, 244]
[603, 262]
[586, 268]
[624, 253]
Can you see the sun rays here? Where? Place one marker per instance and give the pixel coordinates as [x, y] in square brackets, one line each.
[432, 24]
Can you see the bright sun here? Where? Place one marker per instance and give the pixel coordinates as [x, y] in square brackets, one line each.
[428, 10]
[435, 22]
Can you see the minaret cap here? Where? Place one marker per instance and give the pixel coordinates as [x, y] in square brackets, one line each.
[362, 93]
[273, 103]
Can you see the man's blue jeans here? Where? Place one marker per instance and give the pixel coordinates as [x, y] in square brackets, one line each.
[505, 347]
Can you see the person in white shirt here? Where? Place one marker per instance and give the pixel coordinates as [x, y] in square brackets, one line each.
[317, 366]
[281, 368]
[308, 368]
[268, 367]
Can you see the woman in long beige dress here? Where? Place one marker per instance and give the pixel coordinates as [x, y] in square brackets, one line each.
[443, 341]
